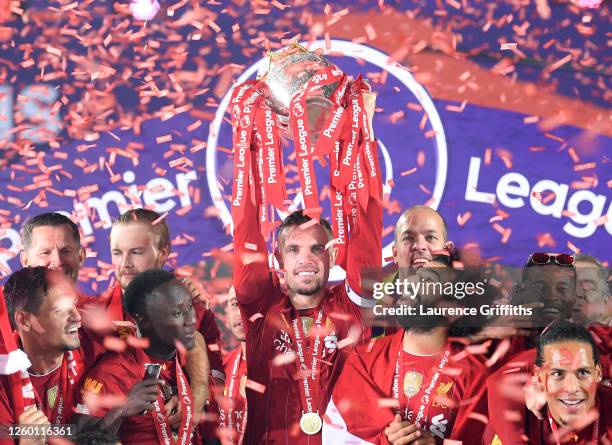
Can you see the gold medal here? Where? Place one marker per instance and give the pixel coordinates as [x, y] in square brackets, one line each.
[311, 423]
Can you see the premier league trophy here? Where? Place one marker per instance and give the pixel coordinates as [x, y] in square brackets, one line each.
[329, 118]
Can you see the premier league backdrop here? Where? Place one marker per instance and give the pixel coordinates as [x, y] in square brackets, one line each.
[495, 114]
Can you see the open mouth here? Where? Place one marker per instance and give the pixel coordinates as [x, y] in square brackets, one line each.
[306, 273]
[572, 405]
[72, 330]
[551, 311]
[420, 262]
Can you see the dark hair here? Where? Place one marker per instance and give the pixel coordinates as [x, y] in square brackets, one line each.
[142, 287]
[25, 291]
[52, 219]
[298, 218]
[156, 224]
[98, 436]
[561, 331]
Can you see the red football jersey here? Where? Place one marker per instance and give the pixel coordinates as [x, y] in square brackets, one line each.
[273, 394]
[48, 386]
[233, 409]
[437, 391]
[115, 375]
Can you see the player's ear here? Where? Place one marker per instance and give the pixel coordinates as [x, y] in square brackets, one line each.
[142, 322]
[23, 257]
[449, 245]
[333, 255]
[82, 256]
[22, 321]
[539, 376]
[163, 256]
[279, 258]
[598, 373]
[394, 251]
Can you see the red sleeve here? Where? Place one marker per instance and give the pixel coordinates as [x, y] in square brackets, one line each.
[7, 416]
[92, 347]
[364, 249]
[207, 326]
[354, 395]
[111, 377]
[505, 398]
[253, 281]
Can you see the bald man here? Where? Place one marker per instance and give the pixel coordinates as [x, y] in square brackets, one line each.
[420, 232]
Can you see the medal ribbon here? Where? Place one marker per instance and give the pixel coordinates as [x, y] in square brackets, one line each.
[273, 172]
[244, 103]
[335, 120]
[230, 397]
[348, 156]
[426, 399]
[164, 432]
[338, 214]
[261, 194]
[308, 388]
[298, 122]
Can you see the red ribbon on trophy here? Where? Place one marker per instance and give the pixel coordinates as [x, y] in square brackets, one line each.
[310, 100]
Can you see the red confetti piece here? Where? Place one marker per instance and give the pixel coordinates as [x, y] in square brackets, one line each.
[160, 219]
[164, 138]
[585, 166]
[506, 46]
[572, 152]
[572, 247]
[138, 343]
[388, 403]
[257, 387]
[479, 417]
[307, 224]
[255, 317]
[250, 246]
[114, 344]
[283, 359]
[462, 219]
[559, 63]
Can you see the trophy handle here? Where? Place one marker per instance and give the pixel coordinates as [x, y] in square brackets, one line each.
[369, 103]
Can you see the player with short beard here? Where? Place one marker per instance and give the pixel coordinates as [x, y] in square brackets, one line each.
[309, 314]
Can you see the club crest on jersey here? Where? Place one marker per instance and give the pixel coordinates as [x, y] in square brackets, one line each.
[51, 396]
[412, 383]
[441, 394]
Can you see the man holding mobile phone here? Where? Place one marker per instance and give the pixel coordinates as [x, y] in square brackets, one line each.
[164, 314]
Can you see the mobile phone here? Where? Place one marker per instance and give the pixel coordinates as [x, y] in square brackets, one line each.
[152, 371]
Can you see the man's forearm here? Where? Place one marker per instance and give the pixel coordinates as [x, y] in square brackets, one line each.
[198, 370]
